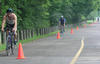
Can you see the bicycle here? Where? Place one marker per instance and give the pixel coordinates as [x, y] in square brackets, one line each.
[62, 29]
[10, 43]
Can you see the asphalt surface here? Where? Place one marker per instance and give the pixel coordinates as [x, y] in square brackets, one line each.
[62, 51]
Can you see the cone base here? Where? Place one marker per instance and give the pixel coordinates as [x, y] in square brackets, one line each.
[58, 38]
[72, 33]
[21, 58]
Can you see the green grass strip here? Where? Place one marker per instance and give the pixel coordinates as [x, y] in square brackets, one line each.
[2, 47]
[37, 37]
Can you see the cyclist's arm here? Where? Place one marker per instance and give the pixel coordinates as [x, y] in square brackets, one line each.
[3, 22]
[64, 22]
[15, 18]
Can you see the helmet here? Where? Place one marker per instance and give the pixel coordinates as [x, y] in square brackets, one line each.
[62, 16]
[9, 10]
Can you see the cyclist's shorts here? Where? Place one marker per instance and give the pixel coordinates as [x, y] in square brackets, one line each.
[9, 27]
[62, 24]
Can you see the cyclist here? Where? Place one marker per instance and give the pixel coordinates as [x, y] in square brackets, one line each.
[62, 24]
[11, 22]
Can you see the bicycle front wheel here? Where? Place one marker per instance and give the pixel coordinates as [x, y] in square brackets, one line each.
[8, 45]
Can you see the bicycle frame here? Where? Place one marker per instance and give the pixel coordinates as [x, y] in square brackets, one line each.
[10, 42]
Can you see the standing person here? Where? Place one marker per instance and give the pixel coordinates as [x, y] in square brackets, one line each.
[62, 21]
[11, 23]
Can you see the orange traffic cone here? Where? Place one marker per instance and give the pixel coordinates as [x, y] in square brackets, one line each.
[71, 31]
[20, 52]
[58, 35]
[77, 28]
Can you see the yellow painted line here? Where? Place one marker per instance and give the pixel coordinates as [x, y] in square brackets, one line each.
[78, 53]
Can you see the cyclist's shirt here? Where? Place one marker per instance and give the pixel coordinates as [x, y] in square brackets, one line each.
[62, 21]
[9, 23]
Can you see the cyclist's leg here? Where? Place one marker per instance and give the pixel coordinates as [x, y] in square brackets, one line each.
[60, 28]
[7, 31]
[15, 37]
[63, 28]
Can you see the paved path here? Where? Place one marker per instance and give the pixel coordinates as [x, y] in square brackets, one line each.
[52, 51]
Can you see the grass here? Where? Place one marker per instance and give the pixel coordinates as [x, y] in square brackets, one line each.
[3, 46]
[89, 21]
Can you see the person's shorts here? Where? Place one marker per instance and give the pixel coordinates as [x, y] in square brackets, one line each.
[9, 27]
